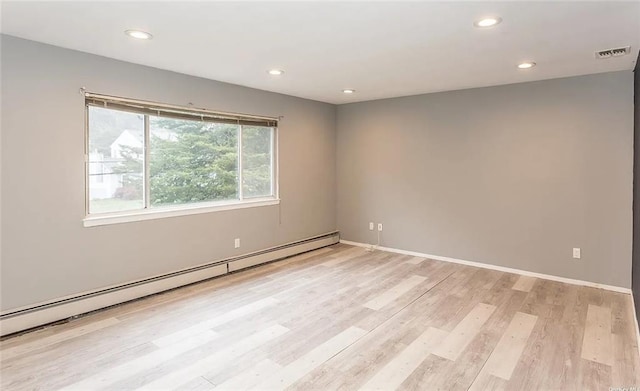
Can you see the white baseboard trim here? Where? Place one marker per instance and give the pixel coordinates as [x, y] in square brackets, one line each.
[495, 267]
[28, 317]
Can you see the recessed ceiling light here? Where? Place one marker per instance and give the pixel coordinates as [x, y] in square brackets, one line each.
[348, 91]
[488, 22]
[138, 34]
[526, 65]
[276, 72]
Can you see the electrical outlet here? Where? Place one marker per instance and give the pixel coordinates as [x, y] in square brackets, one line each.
[371, 226]
[379, 226]
[237, 243]
[576, 253]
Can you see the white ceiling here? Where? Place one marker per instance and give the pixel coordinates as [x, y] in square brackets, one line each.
[381, 49]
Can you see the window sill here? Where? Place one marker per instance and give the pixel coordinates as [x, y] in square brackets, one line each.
[160, 212]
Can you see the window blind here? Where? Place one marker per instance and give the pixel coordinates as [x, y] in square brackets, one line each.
[180, 112]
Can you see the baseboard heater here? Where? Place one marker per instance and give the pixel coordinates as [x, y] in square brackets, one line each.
[36, 315]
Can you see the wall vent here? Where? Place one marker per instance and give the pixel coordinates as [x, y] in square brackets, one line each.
[616, 52]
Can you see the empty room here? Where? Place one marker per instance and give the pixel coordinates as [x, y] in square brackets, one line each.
[319, 195]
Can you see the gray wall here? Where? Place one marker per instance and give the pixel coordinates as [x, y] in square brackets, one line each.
[46, 251]
[514, 175]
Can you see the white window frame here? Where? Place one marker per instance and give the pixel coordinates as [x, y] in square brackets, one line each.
[158, 212]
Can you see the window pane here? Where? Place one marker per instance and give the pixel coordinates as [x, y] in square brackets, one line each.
[192, 161]
[256, 161]
[116, 145]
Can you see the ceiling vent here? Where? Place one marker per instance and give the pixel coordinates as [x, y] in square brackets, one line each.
[608, 53]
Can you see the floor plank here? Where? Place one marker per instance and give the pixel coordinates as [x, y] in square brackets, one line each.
[597, 342]
[211, 323]
[451, 347]
[507, 352]
[524, 283]
[117, 373]
[392, 294]
[251, 378]
[179, 377]
[397, 370]
[300, 367]
[57, 338]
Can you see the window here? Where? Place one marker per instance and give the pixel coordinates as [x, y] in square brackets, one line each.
[158, 161]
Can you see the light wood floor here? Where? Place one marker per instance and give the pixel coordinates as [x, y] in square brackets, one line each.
[342, 318]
